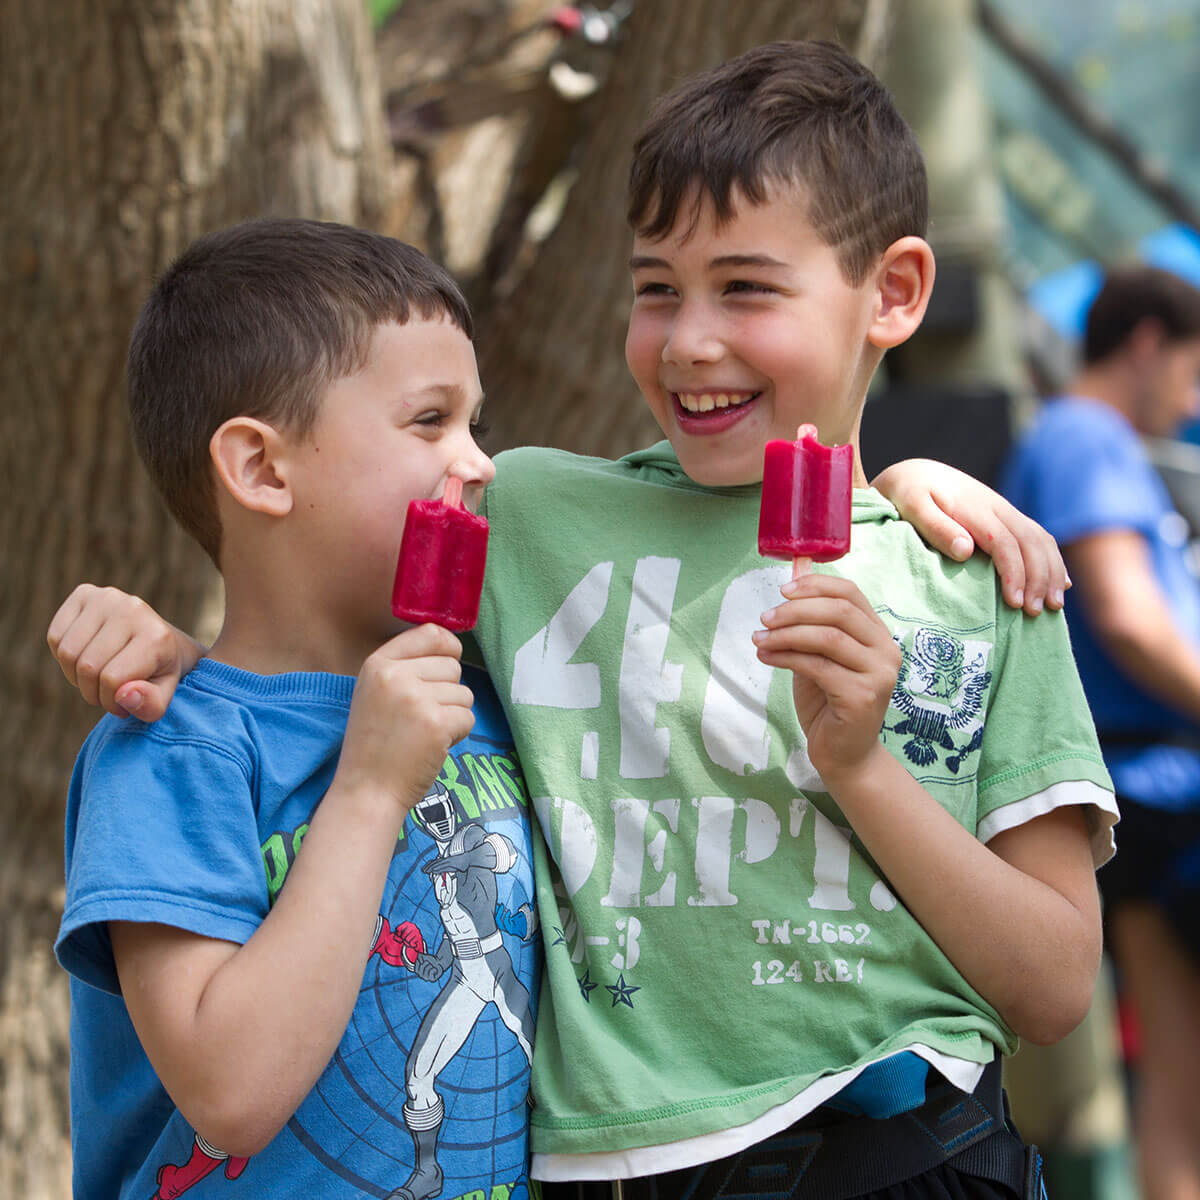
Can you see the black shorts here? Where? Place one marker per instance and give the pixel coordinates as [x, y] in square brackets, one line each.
[1157, 860]
[954, 1146]
[943, 1182]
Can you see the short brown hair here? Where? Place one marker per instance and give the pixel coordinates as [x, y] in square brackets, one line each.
[258, 320]
[805, 113]
[1135, 293]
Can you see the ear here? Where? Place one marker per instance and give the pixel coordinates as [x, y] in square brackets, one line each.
[248, 457]
[903, 284]
[1144, 342]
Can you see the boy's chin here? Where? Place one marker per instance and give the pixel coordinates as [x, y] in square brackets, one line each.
[715, 473]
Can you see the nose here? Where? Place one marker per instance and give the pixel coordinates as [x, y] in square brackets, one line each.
[693, 336]
[473, 467]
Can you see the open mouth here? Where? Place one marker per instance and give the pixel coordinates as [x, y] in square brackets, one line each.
[697, 403]
[711, 412]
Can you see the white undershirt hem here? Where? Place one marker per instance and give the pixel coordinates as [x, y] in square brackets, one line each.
[690, 1152]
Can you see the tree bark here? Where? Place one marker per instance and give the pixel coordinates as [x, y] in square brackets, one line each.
[125, 131]
[552, 354]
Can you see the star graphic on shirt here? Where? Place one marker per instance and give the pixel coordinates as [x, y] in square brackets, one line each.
[586, 986]
[562, 937]
[622, 992]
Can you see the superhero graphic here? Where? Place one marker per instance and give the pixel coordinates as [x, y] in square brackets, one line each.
[472, 960]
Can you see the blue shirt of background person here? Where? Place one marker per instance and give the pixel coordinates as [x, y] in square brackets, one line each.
[1134, 613]
[1081, 469]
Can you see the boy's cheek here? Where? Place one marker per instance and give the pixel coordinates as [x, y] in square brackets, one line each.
[643, 343]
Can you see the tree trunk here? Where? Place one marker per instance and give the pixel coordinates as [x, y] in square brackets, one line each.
[938, 88]
[552, 355]
[125, 131]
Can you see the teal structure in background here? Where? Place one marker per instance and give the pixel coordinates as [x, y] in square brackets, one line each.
[1071, 207]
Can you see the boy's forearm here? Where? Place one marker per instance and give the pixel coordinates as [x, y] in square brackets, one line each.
[1024, 933]
[241, 1055]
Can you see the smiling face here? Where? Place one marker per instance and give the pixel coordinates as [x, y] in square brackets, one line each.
[742, 331]
[393, 432]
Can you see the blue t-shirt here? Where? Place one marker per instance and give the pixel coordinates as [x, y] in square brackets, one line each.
[1081, 469]
[194, 822]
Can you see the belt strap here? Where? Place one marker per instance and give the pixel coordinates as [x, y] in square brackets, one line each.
[813, 1160]
[468, 948]
[1144, 739]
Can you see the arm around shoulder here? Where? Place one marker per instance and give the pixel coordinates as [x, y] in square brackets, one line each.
[957, 514]
[119, 652]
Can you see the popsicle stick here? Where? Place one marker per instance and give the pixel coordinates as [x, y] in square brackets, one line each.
[452, 496]
[802, 566]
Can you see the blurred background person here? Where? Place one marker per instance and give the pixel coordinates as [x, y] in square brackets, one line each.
[1082, 471]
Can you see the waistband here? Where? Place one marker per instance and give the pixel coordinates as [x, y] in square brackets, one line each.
[833, 1156]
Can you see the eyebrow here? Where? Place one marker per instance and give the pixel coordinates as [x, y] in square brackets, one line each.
[644, 261]
[452, 392]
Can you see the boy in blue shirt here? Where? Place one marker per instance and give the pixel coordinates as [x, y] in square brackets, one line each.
[276, 979]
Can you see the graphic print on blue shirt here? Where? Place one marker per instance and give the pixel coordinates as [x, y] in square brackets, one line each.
[442, 1038]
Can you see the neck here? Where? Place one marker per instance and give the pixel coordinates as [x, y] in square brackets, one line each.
[859, 479]
[1105, 387]
[271, 631]
[237, 648]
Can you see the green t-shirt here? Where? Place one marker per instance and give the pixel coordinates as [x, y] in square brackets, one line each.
[716, 937]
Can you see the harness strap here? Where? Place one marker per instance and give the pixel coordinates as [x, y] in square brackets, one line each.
[834, 1157]
[1144, 739]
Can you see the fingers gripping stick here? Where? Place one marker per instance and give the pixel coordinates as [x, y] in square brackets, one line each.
[806, 490]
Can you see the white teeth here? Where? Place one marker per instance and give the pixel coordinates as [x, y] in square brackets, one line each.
[703, 402]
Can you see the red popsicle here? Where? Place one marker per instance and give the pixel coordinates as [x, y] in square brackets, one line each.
[805, 513]
[439, 575]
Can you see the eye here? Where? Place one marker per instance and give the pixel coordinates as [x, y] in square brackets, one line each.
[653, 289]
[480, 429]
[433, 419]
[749, 287]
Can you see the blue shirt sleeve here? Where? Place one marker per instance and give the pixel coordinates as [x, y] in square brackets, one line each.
[1079, 473]
[159, 829]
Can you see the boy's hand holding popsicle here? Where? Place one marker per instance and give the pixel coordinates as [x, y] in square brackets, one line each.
[842, 657]
[409, 708]
[409, 704]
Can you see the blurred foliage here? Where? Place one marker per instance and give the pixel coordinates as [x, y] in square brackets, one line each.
[380, 10]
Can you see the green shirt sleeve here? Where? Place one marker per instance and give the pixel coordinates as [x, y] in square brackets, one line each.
[1039, 730]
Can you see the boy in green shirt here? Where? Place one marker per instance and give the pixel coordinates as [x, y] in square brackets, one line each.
[842, 858]
[799, 876]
